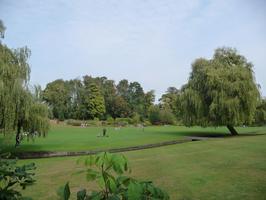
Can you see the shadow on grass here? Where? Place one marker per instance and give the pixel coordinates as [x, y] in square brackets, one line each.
[214, 133]
[205, 134]
[8, 145]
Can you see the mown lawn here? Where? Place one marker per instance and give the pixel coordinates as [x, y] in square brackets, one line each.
[69, 138]
[226, 168]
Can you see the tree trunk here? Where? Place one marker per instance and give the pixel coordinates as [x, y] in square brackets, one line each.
[18, 136]
[232, 130]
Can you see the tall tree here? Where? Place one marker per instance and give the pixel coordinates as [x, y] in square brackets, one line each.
[123, 92]
[169, 100]
[220, 91]
[56, 94]
[94, 101]
[109, 94]
[14, 76]
[119, 108]
[107, 89]
[149, 98]
[122, 88]
[75, 93]
[136, 98]
[16, 101]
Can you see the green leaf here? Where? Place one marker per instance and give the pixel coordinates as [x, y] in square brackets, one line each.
[134, 191]
[81, 195]
[100, 181]
[119, 163]
[91, 175]
[123, 180]
[112, 184]
[64, 192]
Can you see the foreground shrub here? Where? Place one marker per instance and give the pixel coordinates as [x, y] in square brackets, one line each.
[107, 170]
[13, 176]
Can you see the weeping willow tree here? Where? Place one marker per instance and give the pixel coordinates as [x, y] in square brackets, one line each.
[19, 112]
[220, 91]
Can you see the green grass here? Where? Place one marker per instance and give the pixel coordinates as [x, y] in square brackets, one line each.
[227, 168]
[68, 138]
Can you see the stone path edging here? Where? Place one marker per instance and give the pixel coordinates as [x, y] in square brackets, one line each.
[50, 154]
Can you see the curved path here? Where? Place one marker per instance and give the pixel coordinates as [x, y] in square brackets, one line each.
[49, 154]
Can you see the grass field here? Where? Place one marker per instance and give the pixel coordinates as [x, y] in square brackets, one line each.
[223, 168]
[69, 138]
[227, 168]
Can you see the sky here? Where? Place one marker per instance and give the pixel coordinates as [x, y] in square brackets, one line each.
[150, 41]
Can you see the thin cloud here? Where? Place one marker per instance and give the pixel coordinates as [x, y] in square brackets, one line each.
[153, 42]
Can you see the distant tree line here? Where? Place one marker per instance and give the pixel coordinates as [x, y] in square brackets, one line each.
[102, 98]
[220, 92]
[97, 97]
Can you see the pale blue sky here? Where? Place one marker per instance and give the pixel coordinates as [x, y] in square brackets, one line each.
[150, 41]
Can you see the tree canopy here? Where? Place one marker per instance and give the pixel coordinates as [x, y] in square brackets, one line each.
[220, 91]
[18, 110]
[97, 97]
[260, 114]
[57, 96]
[169, 100]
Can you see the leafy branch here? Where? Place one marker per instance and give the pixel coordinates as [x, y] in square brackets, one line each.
[107, 170]
[12, 176]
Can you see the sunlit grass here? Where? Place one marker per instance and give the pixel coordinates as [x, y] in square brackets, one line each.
[69, 138]
[227, 168]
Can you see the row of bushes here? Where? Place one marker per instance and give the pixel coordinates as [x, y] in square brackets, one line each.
[74, 122]
[110, 122]
[157, 116]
